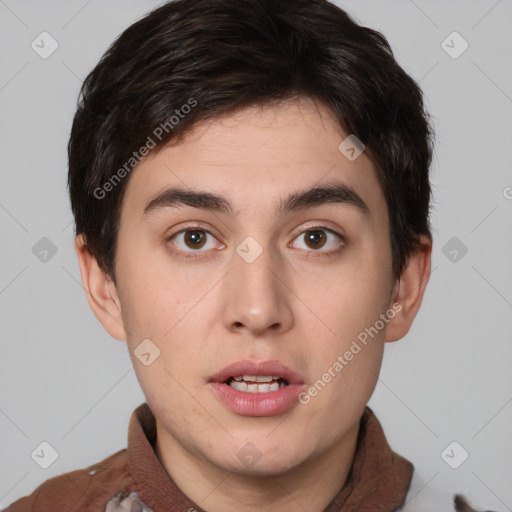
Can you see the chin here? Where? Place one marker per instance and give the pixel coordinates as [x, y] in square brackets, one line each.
[252, 462]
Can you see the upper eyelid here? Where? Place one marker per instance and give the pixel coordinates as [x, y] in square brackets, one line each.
[308, 228]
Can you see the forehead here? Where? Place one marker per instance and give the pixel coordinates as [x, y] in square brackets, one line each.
[257, 154]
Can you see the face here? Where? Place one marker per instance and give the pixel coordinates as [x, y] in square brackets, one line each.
[266, 276]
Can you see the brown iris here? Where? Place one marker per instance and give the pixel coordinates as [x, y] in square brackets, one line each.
[197, 239]
[315, 238]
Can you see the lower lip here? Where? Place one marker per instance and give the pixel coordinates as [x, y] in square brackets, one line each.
[257, 404]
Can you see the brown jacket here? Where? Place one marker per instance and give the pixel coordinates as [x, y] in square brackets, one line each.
[134, 480]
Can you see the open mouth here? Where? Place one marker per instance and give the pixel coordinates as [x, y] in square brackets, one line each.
[257, 383]
[257, 388]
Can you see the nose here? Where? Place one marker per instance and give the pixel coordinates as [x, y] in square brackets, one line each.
[258, 299]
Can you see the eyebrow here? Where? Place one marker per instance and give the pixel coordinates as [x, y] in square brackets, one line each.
[336, 192]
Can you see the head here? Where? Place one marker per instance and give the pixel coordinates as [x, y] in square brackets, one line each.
[223, 212]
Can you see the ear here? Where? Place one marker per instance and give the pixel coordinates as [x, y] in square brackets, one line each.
[409, 289]
[100, 290]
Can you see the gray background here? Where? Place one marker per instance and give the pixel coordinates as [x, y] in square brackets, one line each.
[65, 381]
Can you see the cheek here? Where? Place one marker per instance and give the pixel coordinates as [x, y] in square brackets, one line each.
[350, 307]
[352, 301]
[151, 293]
[167, 312]
[344, 382]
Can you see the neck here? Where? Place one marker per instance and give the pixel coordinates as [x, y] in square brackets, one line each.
[310, 486]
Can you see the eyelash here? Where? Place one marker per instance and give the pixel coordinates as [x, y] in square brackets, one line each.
[329, 254]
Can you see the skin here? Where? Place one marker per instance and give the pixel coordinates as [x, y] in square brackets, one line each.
[293, 303]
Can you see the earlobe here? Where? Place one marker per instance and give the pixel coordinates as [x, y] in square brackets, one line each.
[410, 289]
[100, 290]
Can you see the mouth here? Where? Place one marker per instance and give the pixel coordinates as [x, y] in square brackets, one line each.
[248, 388]
[250, 376]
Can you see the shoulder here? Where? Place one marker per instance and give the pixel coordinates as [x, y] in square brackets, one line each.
[87, 489]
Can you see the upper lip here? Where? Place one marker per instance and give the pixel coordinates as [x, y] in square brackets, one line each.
[247, 367]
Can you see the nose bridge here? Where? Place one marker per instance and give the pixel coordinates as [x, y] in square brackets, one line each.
[258, 270]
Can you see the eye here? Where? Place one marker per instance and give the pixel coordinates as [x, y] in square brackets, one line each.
[194, 239]
[320, 238]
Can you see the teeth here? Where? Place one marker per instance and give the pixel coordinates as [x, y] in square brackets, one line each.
[256, 378]
[256, 388]
[264, 378]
